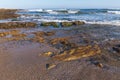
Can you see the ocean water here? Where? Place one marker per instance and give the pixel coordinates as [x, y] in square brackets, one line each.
[90, 16]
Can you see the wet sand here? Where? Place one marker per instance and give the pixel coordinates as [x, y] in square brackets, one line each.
[21, 59]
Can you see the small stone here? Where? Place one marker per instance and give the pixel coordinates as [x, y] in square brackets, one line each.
[1, 34]
[50, 66]
[49, 54]
[100, 65]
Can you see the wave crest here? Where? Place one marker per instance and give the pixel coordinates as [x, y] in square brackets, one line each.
[114, 12]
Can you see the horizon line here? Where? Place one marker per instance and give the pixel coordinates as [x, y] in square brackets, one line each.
[59, 8]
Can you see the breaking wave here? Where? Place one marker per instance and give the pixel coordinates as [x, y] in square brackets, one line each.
[60, 11]
[114, 12]
[35, 10]
[115, 22]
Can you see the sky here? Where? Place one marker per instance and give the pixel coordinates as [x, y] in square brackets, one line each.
[22, 4]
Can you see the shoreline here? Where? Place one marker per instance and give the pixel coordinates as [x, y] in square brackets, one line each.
[59, 51]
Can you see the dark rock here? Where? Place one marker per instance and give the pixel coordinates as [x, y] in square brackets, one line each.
[47, 66]
[78, 23]
[50, 66]
[116, 48]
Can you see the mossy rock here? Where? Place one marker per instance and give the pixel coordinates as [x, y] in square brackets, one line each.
[66, 24]
[74, 23]
[11, 25]
[46, 24]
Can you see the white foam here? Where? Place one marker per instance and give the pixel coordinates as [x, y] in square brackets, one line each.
[48, 10]
[35, 10]
[115, 22]
[114, 12]
[46, 20]
[72, 11]
[51, 11]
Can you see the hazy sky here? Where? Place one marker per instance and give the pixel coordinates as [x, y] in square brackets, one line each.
[59, 3]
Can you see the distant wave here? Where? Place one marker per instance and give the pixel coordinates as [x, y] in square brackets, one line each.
[35, 10]
[114, 12]
[51, 11]
[115, 22]
[68, 11]
[59, 11]
[73, 11]
[62, 11]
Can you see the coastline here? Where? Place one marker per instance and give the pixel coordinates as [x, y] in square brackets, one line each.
[70, 52]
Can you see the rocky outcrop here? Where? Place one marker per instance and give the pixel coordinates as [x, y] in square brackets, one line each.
[62, 44]
[76, 53]
[38, 39]
[39, 36]
[79, 52]
[77, 23]
[42, 33]
[73, 23]
[66, 24]
[63, 24]
[14, 35]
[8, 13]
[10, 25]
[46, 24]
[12, 32]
